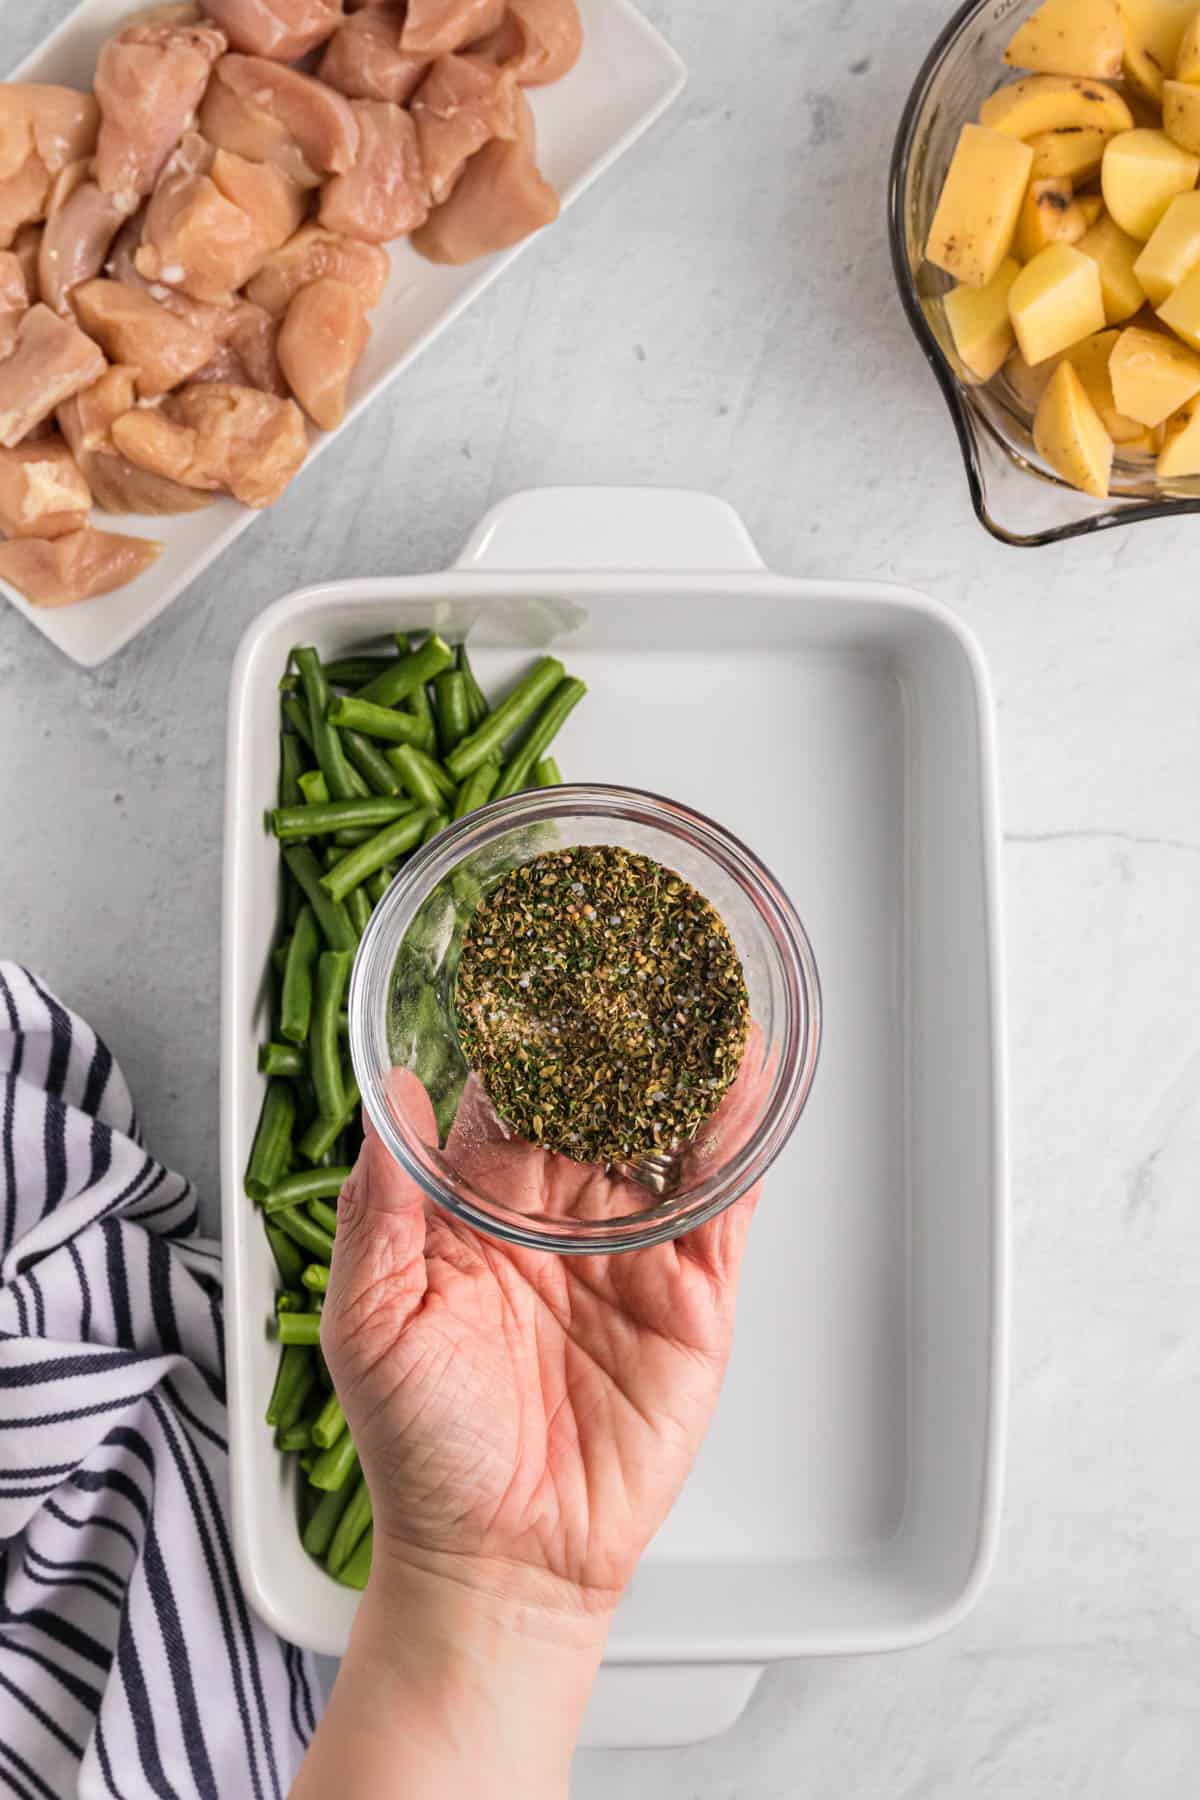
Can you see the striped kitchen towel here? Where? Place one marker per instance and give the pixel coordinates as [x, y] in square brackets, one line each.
[130, 1663]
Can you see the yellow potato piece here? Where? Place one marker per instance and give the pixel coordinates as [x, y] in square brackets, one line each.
[979, 322]
[1027, 383]
[1152, 376]
[1187, 57]
[1090, 206]
[1141, 174]
[1074, 151]
[1153, 30]
[1180, 311]
[1040, 103]
[1180, 453]
[1055, 301]
[1069, 435]
[1181, 114]
[977, 212]
[1114, 252]
[1070, 37]
[1047, 216]
[1090, 361]
[1172, 249]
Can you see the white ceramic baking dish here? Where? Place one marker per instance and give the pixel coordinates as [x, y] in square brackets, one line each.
[847, 1497]
[625, 78]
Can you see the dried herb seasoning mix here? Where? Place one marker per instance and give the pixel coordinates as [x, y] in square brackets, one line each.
[602, 1004]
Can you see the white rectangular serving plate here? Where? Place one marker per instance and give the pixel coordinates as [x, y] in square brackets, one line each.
[624, 80]
[847, 1496]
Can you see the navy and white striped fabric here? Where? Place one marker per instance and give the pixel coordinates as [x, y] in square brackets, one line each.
[130, 1663]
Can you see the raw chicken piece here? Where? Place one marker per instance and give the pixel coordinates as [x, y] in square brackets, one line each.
[77, 238]
[219, 436]
[539, 40]
[85, 420]
[116, 485]
[134, 328]
[500, 199]
[252, 335]
[52, 360]
[14, 301]
[193, 238]
[319, 120]
[320, 343]
[365, 61]
[75, 567]
[384, 195]
[460, 106]
[150, 79]
[23, 198]
[42, 130]
[311, 254]
[275, 204]
[282, 29]
[42, 493]
[232, 123]
[26, 247]
[433, 27]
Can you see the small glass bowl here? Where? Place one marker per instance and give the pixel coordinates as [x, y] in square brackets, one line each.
[1015, 494]
[401, 997]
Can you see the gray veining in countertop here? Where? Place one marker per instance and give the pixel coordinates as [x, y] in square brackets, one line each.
[719, 314]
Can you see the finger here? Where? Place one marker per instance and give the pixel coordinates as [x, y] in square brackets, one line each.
[720, 1244]
[380, 1241]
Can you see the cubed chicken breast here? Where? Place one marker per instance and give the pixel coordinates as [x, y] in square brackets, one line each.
[434, 27]
[538, 41]
[23, 198]
[219, 437]
[52, 360]
[150, 80]
[284, 30]
[42, 492]
[193, 238]
[77, 238]
[500, 199]
[320, 344]
[232, 123]
[319, 120]
[312, 254]
[26, 247]
[252, 335]
[42, 130]
[86, 419]
[276, 204]
[134, 328]
[384, 195]
[14, 301]
[365, 61]
[462, 104]
[116, 485]
[61, 571]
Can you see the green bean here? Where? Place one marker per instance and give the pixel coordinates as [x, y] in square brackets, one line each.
[344, 1015]
[546, 728]
[331, 854]
[451, 708]
[288, 682]
[356, 671]
[333, 972]
[288, 1259]
[375, 721]
[298, 1328]
[353, 1523]
[296, 1437]
[314, 789]
[355, 1572]
[408, 673]
[323, 1214]
[418, 705]
[334, 1466]
[411, 767]
[291, 1300]
[293, 1379]
[291, 767]
[295, 1004]
[476, 790]
[280, 1059]
[508, 717]
[333, 919]
[306, 1459]
[290, 823]
[272, 1141]
[318, 1533]
[346, 840]
[302, 1231]
[329, 1423]
[358, 906]
[279, 958]
[547, 774]
[476, 698]
[316, 1277]
[437, 823]
[370, 764]
[296, 714]
[304, 1185]
[377, 885]
[327, 745]
[324, 1132]
[293, 900]
[396, 838]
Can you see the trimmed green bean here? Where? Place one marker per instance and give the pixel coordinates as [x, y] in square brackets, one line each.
[329, 1423]
[314, 789]
[370, 763]
[296, 714]
[476, 698]
[291, 1300]
[437, 823]
[303, 1185]
[375, 721]
[356, 671]
[451, 708]
[355, 1572]
[351, 1527]
[293, 1379]
[291, 823]
[293, 900]
[322, 1133]
[409, 672]
[344, 1015]
[316, 1277]
[324, 1214]
[333, 918]
[301, 1229]
[375, 887]
[346, 840]
[525, 699]
[298, 1328]
[296, 1437]
[291, 768]
[281, 1059]
[288, 1259]
[393, 841]
[358, 905]
[476, 790]
[327, 745]
[419, 706]
[295, 1002]
[547, 774]
[279, 958]
[334, 1466]
[324, 1063]
[546, 728]
[412, 768]
[318, 1533]
[272, 1149]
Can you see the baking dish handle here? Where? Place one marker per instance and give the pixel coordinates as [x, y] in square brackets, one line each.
[657, 1706]
[599, 528]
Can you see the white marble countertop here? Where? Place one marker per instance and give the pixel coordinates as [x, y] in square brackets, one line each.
[720, 315]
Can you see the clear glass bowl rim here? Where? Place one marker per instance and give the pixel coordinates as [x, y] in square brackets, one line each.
[966, 424]
[799, 1048]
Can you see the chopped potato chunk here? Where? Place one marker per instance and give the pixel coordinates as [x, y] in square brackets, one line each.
[1141, 174]
[981, 197]
[1070, 37]
[1068, 432]
[1152, 375]
[1055, 301]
